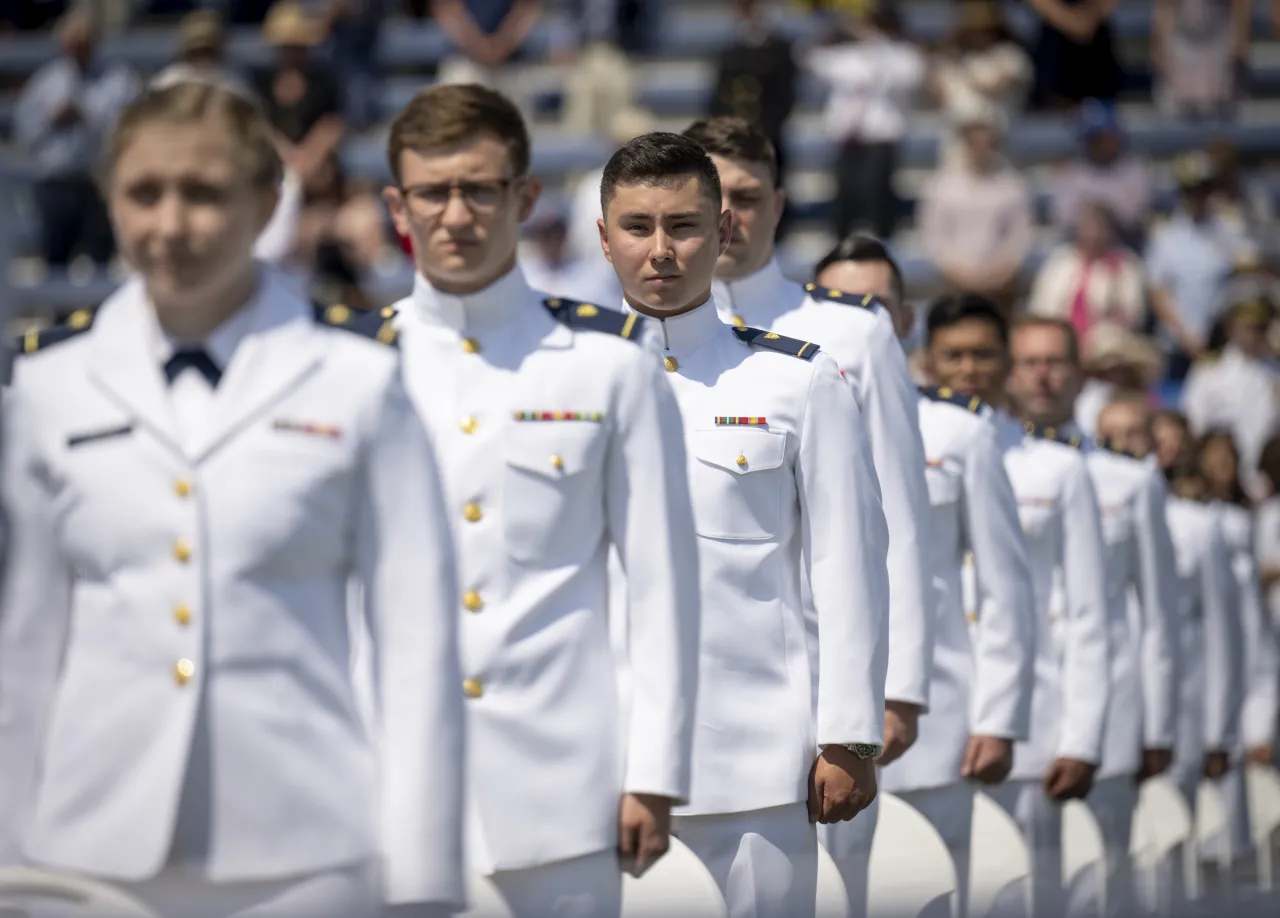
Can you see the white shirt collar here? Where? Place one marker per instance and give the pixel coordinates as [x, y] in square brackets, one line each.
[491, 307]
[757, 299]
[686, 331]
[222, 342]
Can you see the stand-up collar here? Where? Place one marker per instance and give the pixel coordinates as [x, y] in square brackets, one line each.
[495, 305]
[684, 332]
[756, 300]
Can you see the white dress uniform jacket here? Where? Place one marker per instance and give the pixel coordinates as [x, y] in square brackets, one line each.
[1059, 515]
[557, 442]
[1212, 651]
[982, 677]
[782, 494]
[149, 579]
[1143, 633]
[858, 333]
[1240, 394]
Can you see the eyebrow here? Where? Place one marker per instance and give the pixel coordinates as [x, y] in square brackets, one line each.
[645, 216]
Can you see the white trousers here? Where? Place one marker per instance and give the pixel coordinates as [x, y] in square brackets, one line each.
[1040, 820]
[764, 861]
[849, 844]
[582, 887]
[1112, 802]
[949, 809]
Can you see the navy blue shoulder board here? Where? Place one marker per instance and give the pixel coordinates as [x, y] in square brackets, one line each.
[950, 396]
[37, 339]
[594, 318]
[375, 324]
[865, 300]
[793, 347]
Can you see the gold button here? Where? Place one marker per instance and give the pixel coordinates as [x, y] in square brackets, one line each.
[471, 345]
[182, 550]
[183, 671]
[557, 462]
[972, 617]
[469, 425]
[472, 512]
[472, 688]
[742, 462]
[182, 614]
[182, 487]
[671, 364]
[471, 601]
[738, 321]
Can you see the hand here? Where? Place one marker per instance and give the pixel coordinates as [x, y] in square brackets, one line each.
[987, 759]
[1216, 764]
[1154, 762]
[841, 785]
[1069, 779]
[1263, 755]
[901, 727]
[67, 115]
[644, 831]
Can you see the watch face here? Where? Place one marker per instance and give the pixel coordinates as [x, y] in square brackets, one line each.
[865, 750]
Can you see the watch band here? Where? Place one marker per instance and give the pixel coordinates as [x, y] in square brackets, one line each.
[863, 750]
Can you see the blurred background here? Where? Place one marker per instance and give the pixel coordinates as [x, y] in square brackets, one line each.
[1109, 162]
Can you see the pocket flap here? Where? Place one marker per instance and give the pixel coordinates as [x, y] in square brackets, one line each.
[740, 449]
[555, 449]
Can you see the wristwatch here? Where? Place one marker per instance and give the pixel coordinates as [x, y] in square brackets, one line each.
[863, 750]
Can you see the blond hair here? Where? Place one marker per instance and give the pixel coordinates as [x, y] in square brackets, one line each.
[192, 100]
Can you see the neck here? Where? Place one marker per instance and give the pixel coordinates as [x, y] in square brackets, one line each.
[660, 312]
[742, 272]
[193, 319]
[470, 285]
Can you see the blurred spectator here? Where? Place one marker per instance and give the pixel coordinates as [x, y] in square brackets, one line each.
[1267, 527]
[1200, 49]
[982, 62]
[1093, 279]
[1189, 261]
[1075, 56]
[486, 34]
[1242, 204]
[202, 53]
[1172, 435]
[601, 79]
[106, 17]
[1107, 172]
[302, 98]
[1115, 361]
[975, 212]
[1238, 390]
[341, 235]
[550, 264]
[874, 74]
[584, 192]
[30, 15]
[1219, 462]
[353, 27]
[61, 118]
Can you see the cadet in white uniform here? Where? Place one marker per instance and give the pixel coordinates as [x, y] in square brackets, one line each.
[1141, 716]
[191, 477]
[980, 693]
[784, 502]
[967, 350]
[558, 441]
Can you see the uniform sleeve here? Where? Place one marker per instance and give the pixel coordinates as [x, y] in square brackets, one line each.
[1262, 669]
[650, 519]
[405, 563]
[891, 412]
[1155, 578]
[35, 607]
[843, 536]
[1223, 647]
[1005, 647]
[1085, 662]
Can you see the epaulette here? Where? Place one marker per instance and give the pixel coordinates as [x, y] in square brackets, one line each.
[375, 324]
[1111, 446]
[1057, 435]
[805, 350]
[594, 318]
[865, 300]
[947, 394]
[37, 339]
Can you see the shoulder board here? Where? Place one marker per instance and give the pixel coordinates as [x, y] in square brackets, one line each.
[375, 324]
[37, 339]
[594, 318]
[1044, 432]
[945, 394]
[758, 337]
[1111, 446]
[865, 300]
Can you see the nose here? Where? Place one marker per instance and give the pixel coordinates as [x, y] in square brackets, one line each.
[661, 248]
[171, 216]
[456, 213]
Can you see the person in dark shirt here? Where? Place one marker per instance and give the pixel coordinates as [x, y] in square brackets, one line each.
[1074, 53]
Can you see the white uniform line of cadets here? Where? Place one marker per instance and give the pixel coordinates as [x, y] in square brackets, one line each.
[296, 622]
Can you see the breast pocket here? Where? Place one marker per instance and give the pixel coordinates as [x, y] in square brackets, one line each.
[1037, 517]
[944, 485]
[737, 483]
[552, 499]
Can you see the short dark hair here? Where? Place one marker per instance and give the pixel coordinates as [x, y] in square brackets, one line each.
[863, 247]
[663, 159]
[1269, 461]
[441, 116]
[955, 308]
[737, 138]
[1067, 330]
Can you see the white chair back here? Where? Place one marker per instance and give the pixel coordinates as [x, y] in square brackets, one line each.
[483, 899]
[679, 884]
[910, 866]
[1084, 851]
[1263, 786]
[1163, 829]
[998, 858]
[833, 898]
[43, 892]
[1213, 824]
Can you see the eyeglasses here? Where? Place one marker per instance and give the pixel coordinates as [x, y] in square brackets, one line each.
[479, 197]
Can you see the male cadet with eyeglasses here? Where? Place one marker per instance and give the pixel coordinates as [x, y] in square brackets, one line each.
[1141, 591]
[558, 441]
[785, 507]
[750, 290]
[982, 679]
[967, 350]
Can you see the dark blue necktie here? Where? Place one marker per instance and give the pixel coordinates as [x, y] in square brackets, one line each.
[196, 358]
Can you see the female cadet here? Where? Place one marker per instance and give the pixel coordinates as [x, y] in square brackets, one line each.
[191, 478]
